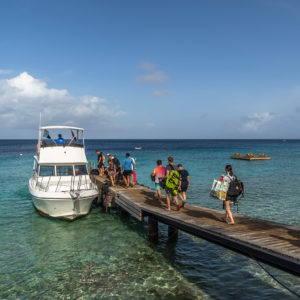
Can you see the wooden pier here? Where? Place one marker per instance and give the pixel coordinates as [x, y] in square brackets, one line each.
[270, 242]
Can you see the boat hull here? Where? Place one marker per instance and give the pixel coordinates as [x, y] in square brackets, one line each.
[62, 205]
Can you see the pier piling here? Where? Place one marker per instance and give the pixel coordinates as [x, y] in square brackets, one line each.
[152, 229]
[172, 233]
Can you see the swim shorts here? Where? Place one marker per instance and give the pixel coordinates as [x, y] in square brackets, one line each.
[157, 186]
[127, 172]
[183, 188]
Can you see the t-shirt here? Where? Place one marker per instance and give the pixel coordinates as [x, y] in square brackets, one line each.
[171, 168]
[184, 177]
[60, 141]
[100, 156]
[116, 163]
[228, 178]
[128, 164]
[160, 172]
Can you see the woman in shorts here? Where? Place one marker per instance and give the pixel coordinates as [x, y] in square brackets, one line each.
[229, 199]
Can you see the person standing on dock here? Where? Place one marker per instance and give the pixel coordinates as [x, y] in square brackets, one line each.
[185, 183]
[128, 166]
[100, 163]
[159, 173]
[133, 177]
[118, 168]
[172, 183]
[111, 170]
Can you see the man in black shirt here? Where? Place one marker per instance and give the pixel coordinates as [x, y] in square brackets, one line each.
[185, 183]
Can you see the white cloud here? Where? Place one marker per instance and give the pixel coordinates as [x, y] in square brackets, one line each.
[23, 97]
[146, 66]
[5, 72]
[160, 93]
[256, 121]
[154, 77]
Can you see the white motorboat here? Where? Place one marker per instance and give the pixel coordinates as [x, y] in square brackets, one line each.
[60, 185]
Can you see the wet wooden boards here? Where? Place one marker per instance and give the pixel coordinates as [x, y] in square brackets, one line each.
[274, 243]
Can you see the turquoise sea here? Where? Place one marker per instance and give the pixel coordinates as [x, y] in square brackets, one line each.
[107, 256]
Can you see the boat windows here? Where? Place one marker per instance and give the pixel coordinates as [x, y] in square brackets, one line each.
[47, 171]
[80, 170]
[64, 170]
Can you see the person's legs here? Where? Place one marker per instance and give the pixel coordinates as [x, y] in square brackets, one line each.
[125, 180]
[112, 180]
[168, 201]
[176, 201]
[128, 180]
[228, 211]
[159, 193]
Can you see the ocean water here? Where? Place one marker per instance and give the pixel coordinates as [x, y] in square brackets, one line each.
[107, 256]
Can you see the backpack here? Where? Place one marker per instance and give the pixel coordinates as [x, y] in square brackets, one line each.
[172, 182]
[235, 188]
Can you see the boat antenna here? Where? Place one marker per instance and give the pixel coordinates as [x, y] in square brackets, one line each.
[40, 134]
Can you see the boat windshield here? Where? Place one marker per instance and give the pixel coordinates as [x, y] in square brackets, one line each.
[47, 171]
[61, 136]
[80, 170]
[61, 170]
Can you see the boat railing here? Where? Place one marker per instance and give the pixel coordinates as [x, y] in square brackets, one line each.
[77, 183]
[62, 145]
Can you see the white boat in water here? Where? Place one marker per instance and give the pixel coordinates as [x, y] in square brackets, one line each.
[60, 185]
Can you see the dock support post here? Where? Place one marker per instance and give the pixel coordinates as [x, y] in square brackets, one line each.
[152, 229]
[172, 233]
[90, 165]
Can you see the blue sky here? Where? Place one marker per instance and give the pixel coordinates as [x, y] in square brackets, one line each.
[151, 69]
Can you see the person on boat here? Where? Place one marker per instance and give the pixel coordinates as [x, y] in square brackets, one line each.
[185, 183]
[100, 162]
[229, 177]
[172, 188]
[128, 167]
[159, 174]
[60, 139]
[111, 170]
[118, 168]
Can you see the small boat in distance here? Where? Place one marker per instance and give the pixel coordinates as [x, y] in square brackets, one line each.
[138, 148]
[250, 156]
[60, 185]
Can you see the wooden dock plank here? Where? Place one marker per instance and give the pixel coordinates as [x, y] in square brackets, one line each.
[274, 243]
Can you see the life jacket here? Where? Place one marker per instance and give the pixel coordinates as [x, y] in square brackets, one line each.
[172, 181]
[235, 188]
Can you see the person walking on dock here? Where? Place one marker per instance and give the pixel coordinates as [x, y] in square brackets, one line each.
[100, 163]
[229, 177]
[185, 183]
[128, 166]
[159, 174]
[172, 183]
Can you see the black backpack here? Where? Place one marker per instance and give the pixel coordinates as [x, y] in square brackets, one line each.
[235, 188]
